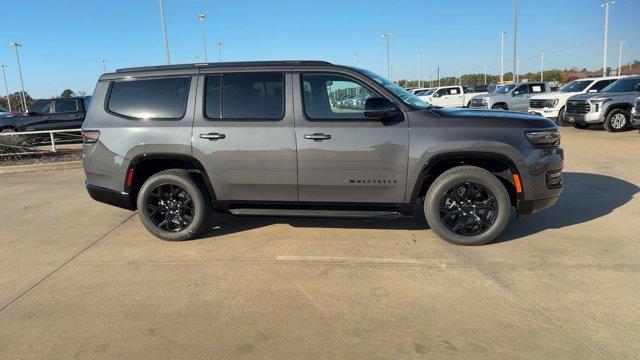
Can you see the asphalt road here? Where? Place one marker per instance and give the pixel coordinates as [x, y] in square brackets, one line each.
[79, 279]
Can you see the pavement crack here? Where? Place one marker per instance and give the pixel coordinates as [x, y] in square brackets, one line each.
[66, 262]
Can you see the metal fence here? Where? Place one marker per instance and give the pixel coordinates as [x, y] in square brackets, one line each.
[35, 138]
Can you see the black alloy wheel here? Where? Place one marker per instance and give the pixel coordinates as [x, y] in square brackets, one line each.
[468, 209]
[170, 207]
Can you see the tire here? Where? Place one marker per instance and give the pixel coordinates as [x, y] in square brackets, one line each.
[560, 120]
[8, 130]
[581, 126]
[453, 179]
[169, 219]
[500, 107]
[616, 120]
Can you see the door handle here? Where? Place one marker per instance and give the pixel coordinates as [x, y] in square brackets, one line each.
[212, 136]
[46, 118]
[75, 116]
[317, 136]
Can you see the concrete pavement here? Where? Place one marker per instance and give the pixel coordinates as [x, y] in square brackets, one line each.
[84, 280]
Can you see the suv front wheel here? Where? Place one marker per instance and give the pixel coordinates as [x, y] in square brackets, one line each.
[467, 205]
[617, 120]
[173, 205]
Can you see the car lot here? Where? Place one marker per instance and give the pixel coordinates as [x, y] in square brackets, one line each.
[83, 279]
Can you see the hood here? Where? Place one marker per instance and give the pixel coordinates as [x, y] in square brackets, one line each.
[556, 95]
[612, 95]
[498, 117]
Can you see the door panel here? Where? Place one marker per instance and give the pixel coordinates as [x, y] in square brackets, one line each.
[249, 159]
[343, 158]
[67, 115]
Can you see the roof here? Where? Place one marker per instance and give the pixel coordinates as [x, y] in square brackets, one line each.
[239, 64]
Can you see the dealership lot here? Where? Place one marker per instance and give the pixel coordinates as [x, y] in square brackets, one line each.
[83, 279]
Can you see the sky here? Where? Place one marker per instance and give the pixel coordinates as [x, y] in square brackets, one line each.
[65, 41]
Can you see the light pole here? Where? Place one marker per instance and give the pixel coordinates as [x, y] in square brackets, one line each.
[398, 74]
[606, 34]
[620, 58]
[164, 31]
[438, 75]
[485, 74]
[355, 59]
[6, 87]
[502, 57]
[419, 66]
[24, 100]
[542, 65]
[203, 18]
[104, 66]
[219, 46]
[515, 37]
[388, 36]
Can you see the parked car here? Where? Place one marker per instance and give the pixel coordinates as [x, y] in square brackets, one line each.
[510, 96]
[418, 90]
[610, 107]
[179, 142]
[423, 91]
[447, 96]
[635, 114]
[552, 105]
[55, 114]
[5, 113]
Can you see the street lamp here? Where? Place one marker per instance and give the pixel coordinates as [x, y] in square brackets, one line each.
[502, 57]
[202, 18]
[485, 74]
[6, 87]
[515, 36]
[620, 58]
[219, 45]
[419, 65]
[606, 34]
[22, 94]
[398, 74]
[355, 58]
[388, 36]
[164, 31]
[542, 65]
[104, 66]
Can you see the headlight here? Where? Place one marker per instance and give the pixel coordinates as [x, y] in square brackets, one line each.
[599, 101]
[550, 103]
[543, 138]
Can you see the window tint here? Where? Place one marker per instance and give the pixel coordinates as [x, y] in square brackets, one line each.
[63, 106]
[332, 96]
[212, 97]
[454, 91]
[253, 96]
[41, 108]
[150, 99]
[522, 89]
[600, 85]
[536, 88]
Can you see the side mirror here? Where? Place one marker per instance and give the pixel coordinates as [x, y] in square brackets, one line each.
[436, 95]
[515, 93]
[380, 109]
[592, 91]
[30, 112]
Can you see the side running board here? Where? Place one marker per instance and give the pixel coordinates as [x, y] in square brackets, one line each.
[355, 214]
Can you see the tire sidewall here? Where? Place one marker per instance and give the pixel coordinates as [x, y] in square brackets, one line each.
[561, 121]
[190, 187]
[486, 179]
[608, 122]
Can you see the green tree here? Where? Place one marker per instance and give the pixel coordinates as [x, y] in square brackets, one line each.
[66, 93]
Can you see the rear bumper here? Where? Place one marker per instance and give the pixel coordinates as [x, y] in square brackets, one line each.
[111, 197]
[528, 207]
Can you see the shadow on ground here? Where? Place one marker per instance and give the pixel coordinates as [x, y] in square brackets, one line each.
[585, 197]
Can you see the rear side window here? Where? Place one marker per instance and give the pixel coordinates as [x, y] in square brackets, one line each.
[63, 106]
[150, 99]
[257, 96]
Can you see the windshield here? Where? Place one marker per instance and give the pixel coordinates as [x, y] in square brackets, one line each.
[576, 86]
[503, 89]
[428, 92]
[623, 85]
[407, 97]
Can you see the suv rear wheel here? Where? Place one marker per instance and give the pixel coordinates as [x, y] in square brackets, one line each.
[467, 205]
[617, 120]
[500, 106]
[173, 205]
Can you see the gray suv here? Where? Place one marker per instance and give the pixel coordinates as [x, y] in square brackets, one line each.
[610, 107]
[180, 142]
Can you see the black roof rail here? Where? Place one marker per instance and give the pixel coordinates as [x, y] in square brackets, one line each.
[226, 65]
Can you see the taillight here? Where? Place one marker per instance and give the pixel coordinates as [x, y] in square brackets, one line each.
[90, 136]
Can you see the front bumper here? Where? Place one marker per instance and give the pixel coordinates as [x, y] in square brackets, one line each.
[528, 207]
[541, 180]
[588, 118]
[546, 112]
[111, 197]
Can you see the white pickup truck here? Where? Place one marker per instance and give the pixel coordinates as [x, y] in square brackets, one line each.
[448, 96]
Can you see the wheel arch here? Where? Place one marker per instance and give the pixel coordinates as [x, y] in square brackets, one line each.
[144, 166]
[499, 165]
[501, 103]
[619, 106]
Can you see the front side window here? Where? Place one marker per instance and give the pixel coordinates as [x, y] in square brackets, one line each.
[41, 108]
[600, 85]
[150, 99]
[64, 106]
[252, 96]
[332, 96]
[503, 89]
[522, 89]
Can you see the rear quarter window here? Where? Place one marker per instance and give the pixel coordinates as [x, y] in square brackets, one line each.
[162, 99]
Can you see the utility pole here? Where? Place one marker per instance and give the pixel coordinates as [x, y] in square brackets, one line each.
[104, 66]
[502, 57]
[398, 74]
[542, 65]
[419, 65]
[606, 34]
[485, 74]
[516, 76]
[438, 73]
[22, 94]
[219, 45]
[388, 37]
[164, 31]
[203, 18]
[355, 58]
[515, 38]
[620, 58]
[6, 87]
